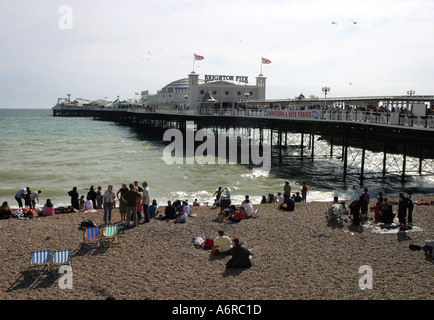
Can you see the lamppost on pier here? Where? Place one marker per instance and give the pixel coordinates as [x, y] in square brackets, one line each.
[325, 90]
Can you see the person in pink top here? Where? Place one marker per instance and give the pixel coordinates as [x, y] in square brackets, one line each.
[48, 209]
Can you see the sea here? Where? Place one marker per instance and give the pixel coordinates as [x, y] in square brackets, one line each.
[55, 154]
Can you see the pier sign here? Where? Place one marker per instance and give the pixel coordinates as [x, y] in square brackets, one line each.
[212, 77]
[293, 114]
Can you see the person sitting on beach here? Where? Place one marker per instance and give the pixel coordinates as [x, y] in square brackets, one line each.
[196, 203]
[222, 243]
[5, 211]
[153, 209]
[240, 256]
[246, 199]
[169, 212]
[287, 204]
[264, 199]
[48, 209]
[387, 214]
[88, 205]
[182, 216]
[297, 197]
[247, 205]
[82, 203]
[279, 198]
[235, 215]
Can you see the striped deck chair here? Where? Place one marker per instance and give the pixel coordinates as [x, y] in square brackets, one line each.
[90, 238]
[109, 236]
[60, 257]
[40, 263]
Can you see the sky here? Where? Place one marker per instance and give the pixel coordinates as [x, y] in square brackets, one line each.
[98, 49]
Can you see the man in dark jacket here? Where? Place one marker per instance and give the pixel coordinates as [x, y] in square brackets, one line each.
[240, 256]
[355, 210]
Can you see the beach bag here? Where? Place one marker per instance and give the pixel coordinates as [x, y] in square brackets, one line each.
[87, 223]
[209, 243]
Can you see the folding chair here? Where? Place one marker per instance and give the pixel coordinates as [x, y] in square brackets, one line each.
[90, 238]
[109, 236]
[40, 263]
[60, 258]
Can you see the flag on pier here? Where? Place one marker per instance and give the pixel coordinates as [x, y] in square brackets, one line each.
[265, 61]
[198, 57]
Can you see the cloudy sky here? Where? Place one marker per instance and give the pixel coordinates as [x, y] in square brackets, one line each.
[96, 49]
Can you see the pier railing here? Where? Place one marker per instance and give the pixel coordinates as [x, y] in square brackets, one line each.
[381, 118]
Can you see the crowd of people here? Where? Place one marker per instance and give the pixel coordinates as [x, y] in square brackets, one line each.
[135, 204]
[383, 209]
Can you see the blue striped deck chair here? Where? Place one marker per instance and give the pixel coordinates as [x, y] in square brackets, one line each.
[90, 238]
[61, 257]
[40, 263]
[109, 236]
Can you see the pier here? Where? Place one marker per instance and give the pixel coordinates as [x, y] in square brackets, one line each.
[312, 134]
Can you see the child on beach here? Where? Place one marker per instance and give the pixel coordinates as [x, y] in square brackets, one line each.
[82, 203]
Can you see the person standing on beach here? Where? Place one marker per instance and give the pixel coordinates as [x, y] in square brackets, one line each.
[33, 198]
[410, 206]
[92, 195]
[355, 210]
[108, 198]
[287, 189]
[129, 198]
[304, 192]
[74, 198]
[146, 200]
[364, 204]
[122, 205]
[19, 196]
[402, 211]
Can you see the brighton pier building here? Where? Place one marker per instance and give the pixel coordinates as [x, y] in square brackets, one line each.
[214, 91]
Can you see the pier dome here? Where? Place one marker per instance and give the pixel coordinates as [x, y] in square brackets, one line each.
[181, 84]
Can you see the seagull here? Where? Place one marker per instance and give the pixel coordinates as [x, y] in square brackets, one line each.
[334, 22]
[354, 22]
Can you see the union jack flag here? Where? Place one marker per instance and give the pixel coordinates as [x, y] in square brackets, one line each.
[265, 61]
[197, 57]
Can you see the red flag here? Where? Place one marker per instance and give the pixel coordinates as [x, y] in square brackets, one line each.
[265, 61]
[197, 57]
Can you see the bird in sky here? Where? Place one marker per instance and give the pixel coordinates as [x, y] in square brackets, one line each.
[354, 22]
[334, 22]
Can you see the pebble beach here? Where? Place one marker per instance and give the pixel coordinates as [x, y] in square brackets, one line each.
[296, 256]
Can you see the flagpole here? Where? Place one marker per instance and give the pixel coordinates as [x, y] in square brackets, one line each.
[194, 58]
[261, 67]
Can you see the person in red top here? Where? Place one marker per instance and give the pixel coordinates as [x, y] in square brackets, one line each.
[303, 192]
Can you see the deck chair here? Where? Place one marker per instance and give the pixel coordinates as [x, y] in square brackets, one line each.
[60, 257]
[109, 236]
[90, 238]
[40, 263]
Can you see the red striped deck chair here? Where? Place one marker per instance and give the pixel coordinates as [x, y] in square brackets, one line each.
[40, 263]
[90, 238]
